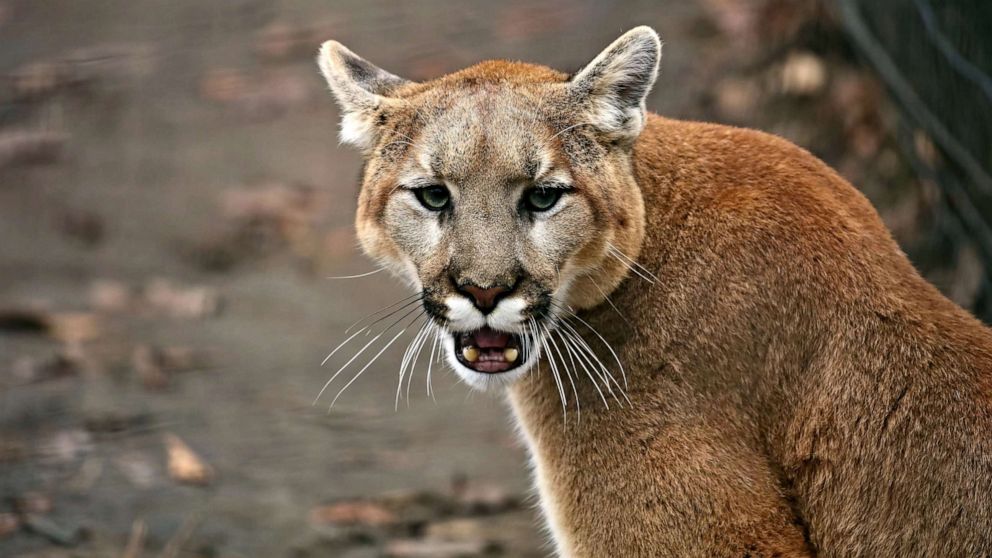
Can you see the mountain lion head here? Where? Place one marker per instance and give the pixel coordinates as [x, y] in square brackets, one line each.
[503, 192]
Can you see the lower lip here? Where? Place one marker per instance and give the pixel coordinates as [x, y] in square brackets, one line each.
[492, 367]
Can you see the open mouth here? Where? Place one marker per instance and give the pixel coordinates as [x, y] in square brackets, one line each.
[489, 351]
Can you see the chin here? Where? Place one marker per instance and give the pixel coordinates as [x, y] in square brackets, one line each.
[486, 373]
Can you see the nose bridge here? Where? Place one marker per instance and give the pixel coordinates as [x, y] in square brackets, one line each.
[485, 251]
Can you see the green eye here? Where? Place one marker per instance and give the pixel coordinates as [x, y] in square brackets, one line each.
[541, 199]
[435, 198]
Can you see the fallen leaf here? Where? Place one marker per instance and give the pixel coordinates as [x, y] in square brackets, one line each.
[460, 529]
[74, 327]
[486, 499]
[185, 465]
[181, 302]
[352, 513]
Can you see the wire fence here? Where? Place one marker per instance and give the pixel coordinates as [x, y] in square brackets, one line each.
[936, 58]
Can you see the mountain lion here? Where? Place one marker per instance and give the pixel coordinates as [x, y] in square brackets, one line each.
[711, 343]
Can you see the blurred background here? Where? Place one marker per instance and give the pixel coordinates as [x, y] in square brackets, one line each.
[173, 200]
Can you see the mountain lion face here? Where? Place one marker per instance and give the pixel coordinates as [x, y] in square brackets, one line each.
[502, 192]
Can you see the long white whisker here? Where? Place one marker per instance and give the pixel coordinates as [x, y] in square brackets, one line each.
[574, 354]
[575, 392]
[632, 261]
[585, 352]
[554, 374]
[352, 359]
[405, 301]
[343, 343]
[593, 368]
[608, 301]
[633, 270]
[609, 347]
[533, 344]
[406, 360]
[373, 272]
[364, 368]
[430, 363]
[405, 307]
[416, 357]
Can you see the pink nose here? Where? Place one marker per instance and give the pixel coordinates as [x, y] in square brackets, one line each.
[484, 299]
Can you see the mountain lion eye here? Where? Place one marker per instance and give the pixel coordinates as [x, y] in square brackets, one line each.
[435, 198]
[541, 199]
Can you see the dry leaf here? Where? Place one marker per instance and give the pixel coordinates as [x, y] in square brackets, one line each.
[185, 465]
[178, 302]
[74, 327]
[352, 513]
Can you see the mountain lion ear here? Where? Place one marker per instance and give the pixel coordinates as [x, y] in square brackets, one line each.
[612, 87]
[361, 89]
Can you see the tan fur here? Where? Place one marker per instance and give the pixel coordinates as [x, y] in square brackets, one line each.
[796, 388]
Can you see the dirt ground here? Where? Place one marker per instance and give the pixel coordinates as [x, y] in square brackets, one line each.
[173, 200]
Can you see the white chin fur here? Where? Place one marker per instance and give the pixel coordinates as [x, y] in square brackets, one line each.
[482, 381]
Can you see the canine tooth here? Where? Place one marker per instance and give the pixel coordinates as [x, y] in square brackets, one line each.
[511, 354]
[470, 353]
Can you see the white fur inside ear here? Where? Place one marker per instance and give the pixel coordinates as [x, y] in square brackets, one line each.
[357, 129]
[615, 84]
